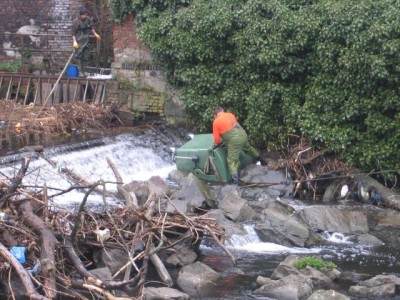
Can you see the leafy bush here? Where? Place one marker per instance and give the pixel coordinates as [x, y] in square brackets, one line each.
[11, 66]
[325, 70]
[315, 263]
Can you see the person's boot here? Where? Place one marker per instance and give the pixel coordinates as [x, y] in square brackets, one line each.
[235, 179]
[262, 161]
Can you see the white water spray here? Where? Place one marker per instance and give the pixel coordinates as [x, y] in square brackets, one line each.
[132, 161]
[252, 243]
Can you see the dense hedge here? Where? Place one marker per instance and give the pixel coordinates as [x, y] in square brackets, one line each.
[327, 70]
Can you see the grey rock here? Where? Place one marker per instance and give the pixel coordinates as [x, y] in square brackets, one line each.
[368, 239]
[193, 193]
[113, 259]
[334, 219]
[164, 293]
[278, 184]
[327, 295]
[236, 208]
[228, 226]
[377, 286]
[381, 279]
[197, 279]
[318, 278]
[384, 290]
[103, 274]
[292, 287]
[279, 225]
[182, 256]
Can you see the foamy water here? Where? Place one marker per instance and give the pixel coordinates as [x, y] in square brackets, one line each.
[252, 243]
[132, 161]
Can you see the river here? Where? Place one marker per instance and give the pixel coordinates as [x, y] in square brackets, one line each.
[138, 156]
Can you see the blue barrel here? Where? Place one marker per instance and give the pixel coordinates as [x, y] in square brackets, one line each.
[72, 71]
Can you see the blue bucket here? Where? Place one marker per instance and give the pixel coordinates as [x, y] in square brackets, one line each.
[72, 71]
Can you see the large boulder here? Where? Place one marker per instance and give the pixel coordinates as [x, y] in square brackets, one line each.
[164, 293]
[286, 268]
[142, 189]
[236, 209]
[292, 287]
[383, 290]
[368, 239]
[334, 219]
[193, 193]
[197, 279]
[113, 259]
[278, 224]
[378, 286]
[229, 227]
[320, 279]
[182, 255]
[278, 183]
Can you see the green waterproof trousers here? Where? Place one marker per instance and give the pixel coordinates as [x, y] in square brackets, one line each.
[236, 140]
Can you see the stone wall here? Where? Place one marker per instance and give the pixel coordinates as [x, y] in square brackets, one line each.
[147, 91]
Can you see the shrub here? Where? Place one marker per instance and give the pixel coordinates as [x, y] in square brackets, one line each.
[314, 262]
[324, 70]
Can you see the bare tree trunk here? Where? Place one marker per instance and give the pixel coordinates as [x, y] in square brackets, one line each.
[389, 198]
[48, 243]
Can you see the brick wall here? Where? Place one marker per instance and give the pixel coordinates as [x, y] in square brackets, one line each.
[52, 18]
[127, 47]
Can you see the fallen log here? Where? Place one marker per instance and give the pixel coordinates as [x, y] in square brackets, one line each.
[48, 243]
[368, 185]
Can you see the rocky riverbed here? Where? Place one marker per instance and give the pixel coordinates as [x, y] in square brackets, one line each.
[269, 206]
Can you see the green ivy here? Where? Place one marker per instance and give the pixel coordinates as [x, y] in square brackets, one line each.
[326, 70]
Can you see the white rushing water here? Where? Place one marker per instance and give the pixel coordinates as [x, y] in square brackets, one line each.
[252, 243]
[132, 161]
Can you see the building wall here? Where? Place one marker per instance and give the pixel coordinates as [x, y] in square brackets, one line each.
[132, 63]
[50, 22]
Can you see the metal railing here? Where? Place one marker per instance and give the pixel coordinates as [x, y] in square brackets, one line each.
[35, 89]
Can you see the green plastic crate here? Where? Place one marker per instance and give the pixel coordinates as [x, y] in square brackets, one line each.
[197, 156]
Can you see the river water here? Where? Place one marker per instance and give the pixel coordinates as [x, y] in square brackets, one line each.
[140, 156]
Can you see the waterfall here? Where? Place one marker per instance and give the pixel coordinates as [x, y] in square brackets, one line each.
[132, 155]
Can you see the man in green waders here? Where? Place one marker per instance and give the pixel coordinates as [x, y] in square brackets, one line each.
[81, 28]
[227, 128]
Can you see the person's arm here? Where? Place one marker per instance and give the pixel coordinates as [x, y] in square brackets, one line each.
[95, 34]
[216, 134]
[73, 30]
[74, 42]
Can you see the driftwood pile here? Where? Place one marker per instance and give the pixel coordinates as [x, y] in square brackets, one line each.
[314, 172]
[58, 241]
[322, 176]
[25, 124]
